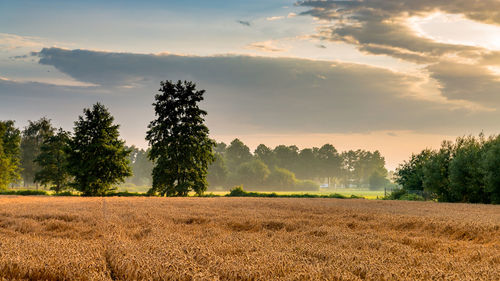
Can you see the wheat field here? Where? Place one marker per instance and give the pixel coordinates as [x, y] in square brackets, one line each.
[71, 238]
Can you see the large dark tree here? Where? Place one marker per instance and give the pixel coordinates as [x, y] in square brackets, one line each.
[52, 160]
[97, 158]
[180, 145]
[33, 136]
[10, 138]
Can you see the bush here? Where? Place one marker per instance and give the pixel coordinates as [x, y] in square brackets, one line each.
[396, 194]
[26, 192]
[308, 185]
[238, 191]
[412, 197]
[65, 193]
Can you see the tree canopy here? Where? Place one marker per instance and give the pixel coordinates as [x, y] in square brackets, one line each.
[180, 146]
[53, 161]
[10, 139]
[97, 158]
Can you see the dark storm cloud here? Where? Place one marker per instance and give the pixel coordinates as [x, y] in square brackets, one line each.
[268, 95]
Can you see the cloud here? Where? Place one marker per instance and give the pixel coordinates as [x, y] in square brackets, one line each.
[382, 27]
[261, 95]
[291, 15]
[242, 22]
[275, 18]
[13, 41]
[266, 46]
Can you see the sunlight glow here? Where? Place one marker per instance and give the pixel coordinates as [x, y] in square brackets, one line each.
[456, 29]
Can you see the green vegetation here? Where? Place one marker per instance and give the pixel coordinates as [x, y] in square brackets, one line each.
[24, 192]
[238, 191]
[33, 137]
[286, 168]
[464, 171]
[180, 146]
[53, 162]
[10, 139]
[97, 158]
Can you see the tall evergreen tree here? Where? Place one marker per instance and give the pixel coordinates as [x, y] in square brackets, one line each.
[32, 139]
[97, 158]
[53, 161]
[10, 139]
[180, 146]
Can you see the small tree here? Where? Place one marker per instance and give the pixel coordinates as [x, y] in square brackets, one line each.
[180, 146]
[10, 139]
[32, 139]
[53, 162]
[97, 158]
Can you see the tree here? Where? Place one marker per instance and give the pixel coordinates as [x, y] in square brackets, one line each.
[254, 172]
[180, 146]
[466, 174]
[53, 162]
[286, 156]
[308, 164]
[236, 154]
[97, 158]
[283, 178]
[10, 139]
[141, 166]
[330, 162]
[33, 137]
[265, 154]
[217, 171]
[378, 179]
[410, 174]
[436, 172]
[491, 163]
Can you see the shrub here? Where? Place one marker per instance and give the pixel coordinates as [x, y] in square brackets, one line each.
[23, 192]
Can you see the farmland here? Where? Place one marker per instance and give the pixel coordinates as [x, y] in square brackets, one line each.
[72, 238]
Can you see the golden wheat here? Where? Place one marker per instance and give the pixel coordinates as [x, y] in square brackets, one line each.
[246, 239]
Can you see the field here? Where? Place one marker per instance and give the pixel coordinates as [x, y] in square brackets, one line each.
[72, 238]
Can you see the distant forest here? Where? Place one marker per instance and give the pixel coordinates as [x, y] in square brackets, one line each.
[284, 168]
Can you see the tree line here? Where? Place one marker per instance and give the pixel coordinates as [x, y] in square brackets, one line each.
[467, 170]
[289, 168]
[93, 159]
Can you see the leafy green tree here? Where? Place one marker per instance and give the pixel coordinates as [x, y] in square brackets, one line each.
[286, 156]
[32, 139]
[10, 139]
[410, 174]
[308, 163]
[236, 154]
[180, 145]
[491, 164]
[378, 179]
[53, 162]
[97, 158]
[217, 171]
[142, 167]
[436, 172]
[265, 154]
[330, 162]
[281, 177]
[254, 172]
[220, 148]
[466, 171]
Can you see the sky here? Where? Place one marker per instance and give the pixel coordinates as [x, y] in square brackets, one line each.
[396, 76]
